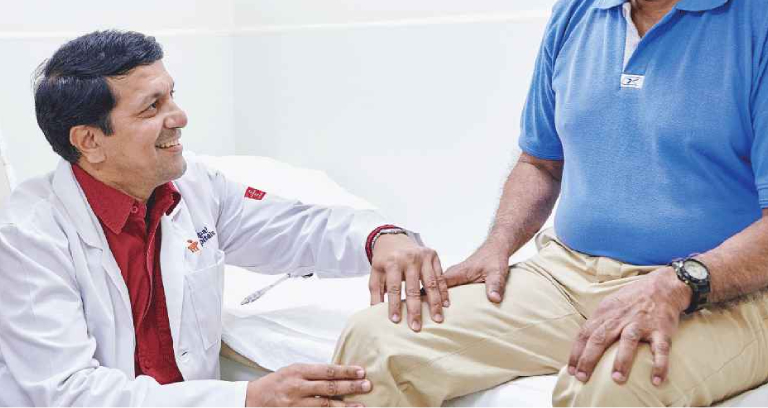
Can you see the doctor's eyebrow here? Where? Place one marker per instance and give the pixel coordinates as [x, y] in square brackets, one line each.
[155, 95]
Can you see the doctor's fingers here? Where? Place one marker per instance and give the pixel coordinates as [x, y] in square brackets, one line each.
[325, 402]
[394, 282]
[335, 388]
[441, 281]
[413, 297]
[430, 280]
[315, 372]
[377, 285]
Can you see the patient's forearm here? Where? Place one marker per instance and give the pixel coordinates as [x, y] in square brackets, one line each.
[739, 266]
[529, 195]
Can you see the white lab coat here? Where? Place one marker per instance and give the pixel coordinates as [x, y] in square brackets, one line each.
[66, 327]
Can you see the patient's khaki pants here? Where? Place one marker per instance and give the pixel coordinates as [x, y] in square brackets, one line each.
[714, 355]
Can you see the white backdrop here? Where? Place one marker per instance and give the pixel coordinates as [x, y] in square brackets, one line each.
[5, 172]
[413, 105]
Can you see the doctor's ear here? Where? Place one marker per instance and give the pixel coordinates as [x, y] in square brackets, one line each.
[87, 140]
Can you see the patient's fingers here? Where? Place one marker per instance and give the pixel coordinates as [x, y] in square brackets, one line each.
[326, 388]
[495, 283]
[394, 281]
[432, 288]
[457, 275]
[441, 282]
[329, 372]
[413, 297]
[625, 354]
[376, 286]
[660, 345]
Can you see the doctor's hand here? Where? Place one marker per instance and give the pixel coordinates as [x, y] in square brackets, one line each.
[398, 258]
[308, 385]
[489, 264]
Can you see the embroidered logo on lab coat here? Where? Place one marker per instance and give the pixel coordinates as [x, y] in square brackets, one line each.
[254, 194]
[204, 235]
[193, 246]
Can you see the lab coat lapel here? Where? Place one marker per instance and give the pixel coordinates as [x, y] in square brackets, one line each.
[87, 225]
[173, 266]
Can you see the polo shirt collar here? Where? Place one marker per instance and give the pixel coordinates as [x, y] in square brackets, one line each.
[606, 4]
[699, 5]
[685, 5]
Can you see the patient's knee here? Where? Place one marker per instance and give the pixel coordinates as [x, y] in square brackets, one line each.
[364, 330]
[598, 391]
[368, 323]
[602, 390]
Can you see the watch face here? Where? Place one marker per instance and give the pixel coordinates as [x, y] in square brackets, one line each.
[696, 270]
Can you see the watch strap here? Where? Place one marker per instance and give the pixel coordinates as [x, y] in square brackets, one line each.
[700, 291]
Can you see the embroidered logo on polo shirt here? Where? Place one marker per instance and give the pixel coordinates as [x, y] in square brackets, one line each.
[632, 81]
[254, 194]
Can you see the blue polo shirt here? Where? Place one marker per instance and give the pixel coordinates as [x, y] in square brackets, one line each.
[667, 156]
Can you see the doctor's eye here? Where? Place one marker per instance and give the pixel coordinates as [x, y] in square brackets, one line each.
[151, 107]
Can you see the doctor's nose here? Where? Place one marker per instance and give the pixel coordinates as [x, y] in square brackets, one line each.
[176, 119]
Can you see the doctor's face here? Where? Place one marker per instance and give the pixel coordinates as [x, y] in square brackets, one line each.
[144, 150]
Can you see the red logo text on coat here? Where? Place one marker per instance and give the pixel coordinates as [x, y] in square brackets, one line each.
[254, 194]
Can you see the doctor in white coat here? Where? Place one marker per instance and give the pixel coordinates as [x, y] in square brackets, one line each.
[67, 333]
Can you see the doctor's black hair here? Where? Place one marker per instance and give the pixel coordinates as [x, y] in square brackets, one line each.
[71, 87]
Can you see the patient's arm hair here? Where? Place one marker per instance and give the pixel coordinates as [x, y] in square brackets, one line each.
[529, 195]
[739, 266]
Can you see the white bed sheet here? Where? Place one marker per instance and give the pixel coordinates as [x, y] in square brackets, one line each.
[273, 335]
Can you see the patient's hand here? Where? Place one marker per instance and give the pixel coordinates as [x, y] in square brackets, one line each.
[308, 385]
[646, 310]
[489, 264]
[398, 258]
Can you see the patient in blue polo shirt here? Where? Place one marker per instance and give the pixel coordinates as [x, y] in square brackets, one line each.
[648, 119]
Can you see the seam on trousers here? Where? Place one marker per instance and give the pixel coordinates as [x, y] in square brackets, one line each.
[531, 267]
[467, 347]
[559, 287]
[650, 397]
[547, 276]
[717, 371]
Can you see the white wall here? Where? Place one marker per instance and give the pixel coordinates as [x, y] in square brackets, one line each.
[413, 105]
[195, 37]
[5, 176]
[418, 115]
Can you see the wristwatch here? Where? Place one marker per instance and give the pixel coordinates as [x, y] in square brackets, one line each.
[696, 275]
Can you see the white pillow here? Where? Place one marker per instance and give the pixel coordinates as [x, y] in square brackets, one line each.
[282, 179]
[300, 319]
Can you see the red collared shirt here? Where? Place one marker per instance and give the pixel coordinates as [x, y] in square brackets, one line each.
[133, 233]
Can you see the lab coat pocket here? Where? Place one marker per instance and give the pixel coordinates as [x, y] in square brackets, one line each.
[206, 286]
